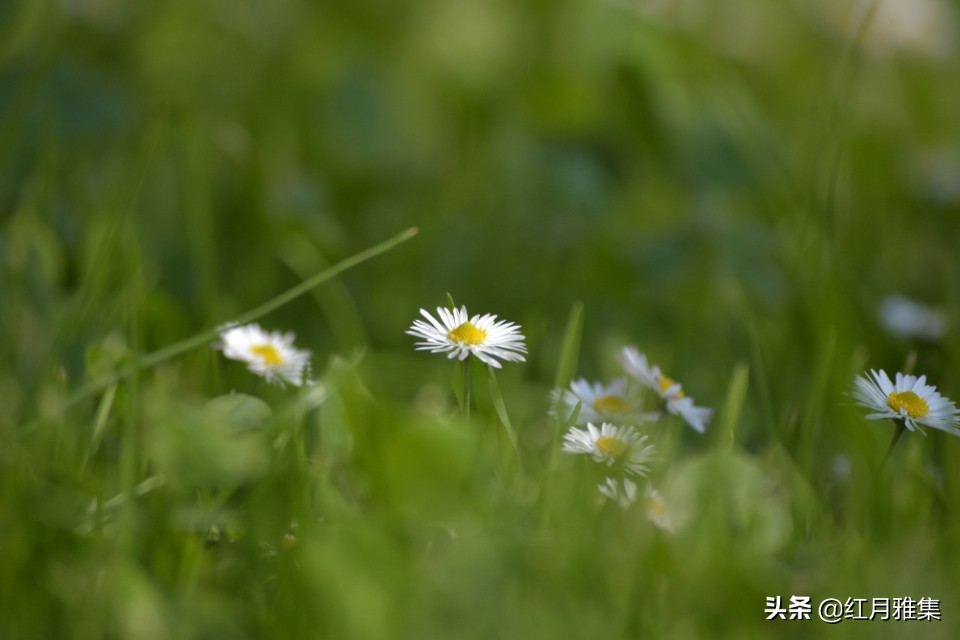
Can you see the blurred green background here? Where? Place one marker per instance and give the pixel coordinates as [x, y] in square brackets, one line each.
[723, 183]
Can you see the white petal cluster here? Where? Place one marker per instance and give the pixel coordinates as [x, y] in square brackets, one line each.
[907, 399]
[459, 335]
[614, 402]
[668, 390]
[624, 492]
[271, 355]
[611, 444]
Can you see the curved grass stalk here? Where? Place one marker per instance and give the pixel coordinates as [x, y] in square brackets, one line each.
[160, 355]
[501, 410]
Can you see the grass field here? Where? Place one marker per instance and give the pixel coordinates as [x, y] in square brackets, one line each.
[734, 187]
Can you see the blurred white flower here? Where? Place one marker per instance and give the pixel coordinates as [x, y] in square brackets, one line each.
[459, 335]
[752, 30]
[918, 27]
[314, 396]
[909, 400]
[657, 509]
[611, 444]
[668, 390]
[934, 173]
[909, 319]
[841, 467]
[623, 493]
[599, 402]
[270, 355]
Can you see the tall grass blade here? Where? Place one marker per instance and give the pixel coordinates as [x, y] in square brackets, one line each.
[733, 405]
[570, 348]
[206, 336]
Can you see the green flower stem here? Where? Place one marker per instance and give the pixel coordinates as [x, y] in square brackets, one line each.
[152, 359]
[900, 427]
[467, 384]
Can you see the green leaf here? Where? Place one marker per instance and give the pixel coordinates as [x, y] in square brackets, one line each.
[733, 404]
[575, 414]
[100, 425]
[570, 349]
[238, 411]
[203, 448]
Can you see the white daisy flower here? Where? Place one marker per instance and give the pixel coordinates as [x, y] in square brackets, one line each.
[270, 355]
[657, 509]
[611, 444]
[623, 493]
[668, 390]
[914, 27]
[909, 400]
[910, 319]
[635, 363]
[696, 417]
[599, 402]
[459, 335]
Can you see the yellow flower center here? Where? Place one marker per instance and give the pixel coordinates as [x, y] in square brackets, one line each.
[656, 506]
[666, 383]
[467, 334]
[610, 404]
[611, 446]
[914, 405]
[269, 354]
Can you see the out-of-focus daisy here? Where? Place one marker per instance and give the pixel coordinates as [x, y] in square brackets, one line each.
[657, 509]
[909, 319]
[909, 401]
[290, 538]
[271, 355]
[635, 363]
[623, 492]
[915, 27]
[696, 417]
[599, 402]
[459, 335]
[841, 467]
[667, 389]
[611, 444]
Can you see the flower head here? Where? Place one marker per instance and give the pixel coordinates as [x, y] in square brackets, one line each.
[611, 444]
[623, 493]
[599, 402]
[657, 509]
[270, 355]
[910, 319]
[667, 389]
[909, 400]
[459, 335]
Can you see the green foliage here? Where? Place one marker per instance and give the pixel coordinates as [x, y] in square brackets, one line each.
[731, 185]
